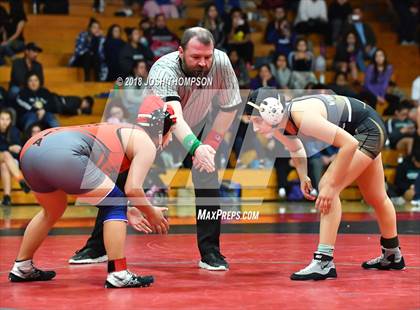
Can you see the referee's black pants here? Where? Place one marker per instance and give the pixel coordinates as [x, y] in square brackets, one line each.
[206, 187]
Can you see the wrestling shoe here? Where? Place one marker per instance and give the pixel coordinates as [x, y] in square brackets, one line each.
[25, 274]
[127, 279]
[390, 259]
[322, 267]
[88, 256]
[213, 261]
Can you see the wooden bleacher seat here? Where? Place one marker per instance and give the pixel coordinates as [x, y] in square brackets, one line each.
[57, 35]
[99, 106]
[256, 184]
[390, 157]
[390, 174]
[79, 88]
[78, 120]
[56, 74]
[54, 59]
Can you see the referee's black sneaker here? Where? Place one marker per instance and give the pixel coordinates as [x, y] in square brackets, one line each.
[213, 261]
[88, 256]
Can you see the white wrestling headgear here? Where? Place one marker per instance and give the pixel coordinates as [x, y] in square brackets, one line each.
[271, 109]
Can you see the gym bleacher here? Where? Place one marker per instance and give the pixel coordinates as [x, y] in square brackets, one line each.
[56, 35]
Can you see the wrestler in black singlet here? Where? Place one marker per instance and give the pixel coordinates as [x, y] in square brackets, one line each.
[354, 116]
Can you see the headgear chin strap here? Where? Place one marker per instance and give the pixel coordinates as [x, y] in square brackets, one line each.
[271, 109]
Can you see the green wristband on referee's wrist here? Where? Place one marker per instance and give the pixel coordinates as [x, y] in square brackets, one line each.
[191, 143]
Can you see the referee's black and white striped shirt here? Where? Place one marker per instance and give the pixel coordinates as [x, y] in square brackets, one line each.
[167, 80]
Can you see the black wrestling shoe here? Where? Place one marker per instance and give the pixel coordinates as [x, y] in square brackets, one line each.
[19, 275]
[213, 261]
[391, 259]
[322, 267]
[127, 279]
[24, 186]
[88, 256]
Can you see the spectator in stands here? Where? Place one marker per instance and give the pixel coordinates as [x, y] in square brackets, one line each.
[407, 175]
[3, 98]
[162, 40]
[10, 146]
[168, 8]
[212, 22]
[134, 94]
[112, 48]
[89, 52]
[312, 16]
[99, 6]
[364, 32]
[22, 66]
[145, 26]
[338, 14]
[12, 41]
[3, 33]
[283, 38]
[239, 37]
[72, 105]
[115, 113]
[32, 130]
[401, 130]
[408, 19]
[416, 152]
[341, 86]
[301, 62]
[274, 25]
[134, 50]
[240, 69]
[55, 7]
[129, 7]
[35, 104]
[281, 72]
[264, 79]
[378, 75]
[394, 96]
[415, 90]
[9, 134]
[349, 55]
[271, 5]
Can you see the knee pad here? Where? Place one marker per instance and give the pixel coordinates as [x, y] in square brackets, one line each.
[113, 207]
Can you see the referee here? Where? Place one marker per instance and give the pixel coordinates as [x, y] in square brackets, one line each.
[170, 78]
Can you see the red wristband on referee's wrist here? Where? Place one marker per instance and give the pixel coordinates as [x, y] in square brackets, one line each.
[213, 139]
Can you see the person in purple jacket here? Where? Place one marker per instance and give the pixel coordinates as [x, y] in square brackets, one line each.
[264, 78]
[378, 75]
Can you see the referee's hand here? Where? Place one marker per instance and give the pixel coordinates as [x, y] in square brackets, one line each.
[204, 158]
